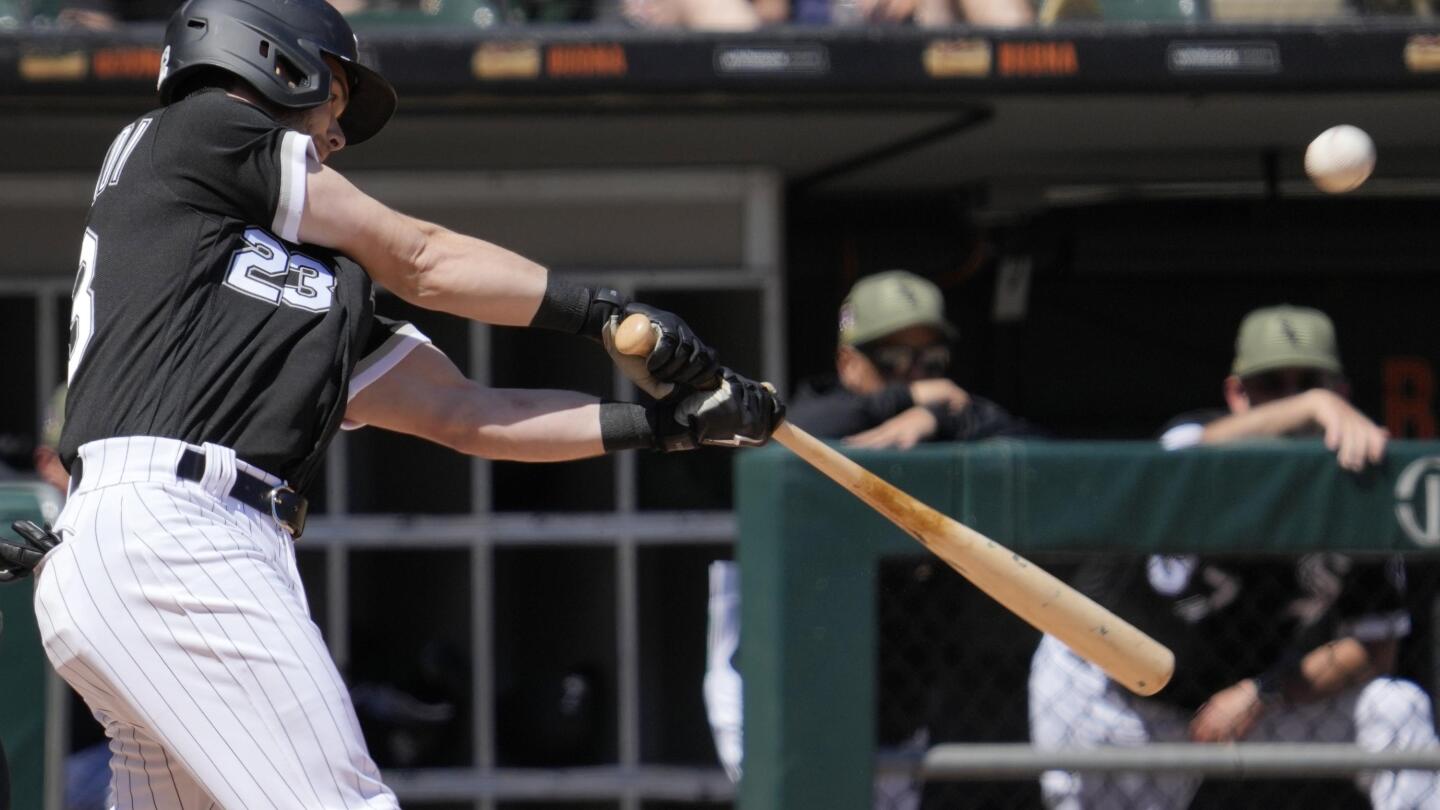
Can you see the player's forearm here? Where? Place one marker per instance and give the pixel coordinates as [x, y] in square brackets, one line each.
[1269, 420]
[1336, 666]
[523, 425]
[474, 279]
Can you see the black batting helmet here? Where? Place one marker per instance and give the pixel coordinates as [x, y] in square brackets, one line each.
[278, 47]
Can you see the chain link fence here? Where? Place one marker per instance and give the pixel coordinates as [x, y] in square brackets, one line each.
[953, 667]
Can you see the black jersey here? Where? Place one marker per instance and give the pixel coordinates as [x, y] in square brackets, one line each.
[196, 315]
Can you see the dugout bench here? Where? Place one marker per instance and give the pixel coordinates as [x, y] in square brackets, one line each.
[809, 552]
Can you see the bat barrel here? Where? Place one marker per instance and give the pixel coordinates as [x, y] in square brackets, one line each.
[1127, 655]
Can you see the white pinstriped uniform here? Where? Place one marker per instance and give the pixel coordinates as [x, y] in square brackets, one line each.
[178, 614]
[173, 608]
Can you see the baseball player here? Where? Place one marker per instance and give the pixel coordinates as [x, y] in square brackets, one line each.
[223, 328]
[1266, 649]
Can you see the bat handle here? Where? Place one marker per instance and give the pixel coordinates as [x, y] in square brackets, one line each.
[636, 336]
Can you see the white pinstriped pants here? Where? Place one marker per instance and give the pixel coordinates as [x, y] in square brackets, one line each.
[178, 615]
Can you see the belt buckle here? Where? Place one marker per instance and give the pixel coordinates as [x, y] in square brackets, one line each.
[284, 493]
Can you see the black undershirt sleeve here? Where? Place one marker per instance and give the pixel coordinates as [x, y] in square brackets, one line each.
[839, 413]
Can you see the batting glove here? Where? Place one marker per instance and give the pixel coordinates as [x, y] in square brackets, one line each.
[18, 559]
[740, 413]
[679, 357]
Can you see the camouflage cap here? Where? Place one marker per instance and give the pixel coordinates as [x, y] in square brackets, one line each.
[887, 302]
[1285, 337]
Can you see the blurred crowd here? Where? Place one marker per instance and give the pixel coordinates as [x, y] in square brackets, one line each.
[696, 14]
[733, 15]
[738, 15]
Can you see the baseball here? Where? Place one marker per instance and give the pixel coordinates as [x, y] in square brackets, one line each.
[1340, 159]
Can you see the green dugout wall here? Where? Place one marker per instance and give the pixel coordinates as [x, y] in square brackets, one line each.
[809, 550]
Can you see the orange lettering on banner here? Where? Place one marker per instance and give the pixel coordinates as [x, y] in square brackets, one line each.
[567, 61]
[1408, 397]
[125, 63]
[1037, 59]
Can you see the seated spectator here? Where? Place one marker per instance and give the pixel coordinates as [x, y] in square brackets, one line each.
[1266, 649]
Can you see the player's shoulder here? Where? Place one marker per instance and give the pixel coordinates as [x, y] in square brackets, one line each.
[211, 114]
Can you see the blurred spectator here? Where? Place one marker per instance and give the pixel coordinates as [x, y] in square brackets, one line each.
[998, 13]
[700, 15]
[712, 15]
[927, 13]
[889, 390]
[103, 15]
[1266, 650]
[747, 14]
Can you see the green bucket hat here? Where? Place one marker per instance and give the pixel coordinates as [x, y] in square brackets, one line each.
[1285, 337]
[887, 302]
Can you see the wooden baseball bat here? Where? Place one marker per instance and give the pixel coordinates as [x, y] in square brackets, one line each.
[1133, 659]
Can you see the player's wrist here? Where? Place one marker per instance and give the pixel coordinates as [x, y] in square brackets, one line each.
[576, 309]
[629, 426]
[626, 426]
[1269, 689]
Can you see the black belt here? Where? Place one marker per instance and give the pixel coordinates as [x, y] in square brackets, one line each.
[288, 507]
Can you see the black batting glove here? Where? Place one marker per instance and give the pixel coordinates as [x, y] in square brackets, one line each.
[679, 356]
[740, 413]
[18, 559]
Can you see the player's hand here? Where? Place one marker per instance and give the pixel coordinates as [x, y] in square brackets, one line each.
[18, 559]
[679, 357]
[740, 413]
[901, 431]
[1229, 714]
[939, 391]
[1356, 440]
